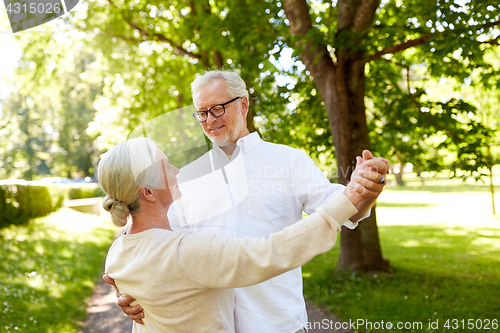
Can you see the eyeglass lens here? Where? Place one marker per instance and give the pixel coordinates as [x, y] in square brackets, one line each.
[216, 111]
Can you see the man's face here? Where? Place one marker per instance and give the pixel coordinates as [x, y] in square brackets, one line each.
[232, 125]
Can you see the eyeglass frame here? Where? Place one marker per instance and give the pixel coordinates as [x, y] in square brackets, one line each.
[210, 110]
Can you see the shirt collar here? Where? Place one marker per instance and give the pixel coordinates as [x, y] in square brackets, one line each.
[249, 141]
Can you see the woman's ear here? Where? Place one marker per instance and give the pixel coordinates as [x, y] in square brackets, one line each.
[147, 194]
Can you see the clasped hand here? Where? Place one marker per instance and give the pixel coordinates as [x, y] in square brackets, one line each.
[368, 178]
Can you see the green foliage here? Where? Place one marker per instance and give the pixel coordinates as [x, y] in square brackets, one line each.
[49, 269]
[412, 122]
[152, 51]
[20, 203]
[78, 93]
[23, 139]
[305, 127]
[411, 125]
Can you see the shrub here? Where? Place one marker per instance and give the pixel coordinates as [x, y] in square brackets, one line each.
[57, 196]
[83, 192]
[20, 203]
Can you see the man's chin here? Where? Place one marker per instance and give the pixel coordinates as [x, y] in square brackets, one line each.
[221, 141]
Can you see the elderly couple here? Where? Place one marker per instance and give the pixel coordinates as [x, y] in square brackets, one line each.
[243, 276]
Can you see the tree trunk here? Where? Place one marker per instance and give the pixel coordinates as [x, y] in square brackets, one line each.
[360, 249]
[372, 251]
[492, 190]
[490, 169]
[342, 88]
[218, 61]
[250, 122]
[399, 175]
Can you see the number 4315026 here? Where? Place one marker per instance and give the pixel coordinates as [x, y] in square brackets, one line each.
[34, 8]
[472, 324]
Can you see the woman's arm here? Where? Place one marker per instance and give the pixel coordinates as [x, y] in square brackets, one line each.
[216, 262]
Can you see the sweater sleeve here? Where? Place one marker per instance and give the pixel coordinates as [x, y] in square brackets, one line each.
[216, 262]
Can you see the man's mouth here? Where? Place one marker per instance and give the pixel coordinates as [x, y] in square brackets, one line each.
[215, 129]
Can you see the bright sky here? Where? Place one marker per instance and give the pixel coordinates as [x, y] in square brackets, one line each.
[9, 51]
[9, 55]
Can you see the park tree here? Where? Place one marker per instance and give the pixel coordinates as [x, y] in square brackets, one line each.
[339, 41]
[484, 95]
[47, 114]
[418, 122]
[24, 139]
[158, 48]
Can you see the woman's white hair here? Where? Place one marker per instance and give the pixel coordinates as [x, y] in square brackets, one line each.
[235, 84]
[123, 170]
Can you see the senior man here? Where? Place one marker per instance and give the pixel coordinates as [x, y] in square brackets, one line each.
[281, 181]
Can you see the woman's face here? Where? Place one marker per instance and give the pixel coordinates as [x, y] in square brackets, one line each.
[169, 171]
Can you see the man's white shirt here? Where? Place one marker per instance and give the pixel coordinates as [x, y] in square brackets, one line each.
[262, 189]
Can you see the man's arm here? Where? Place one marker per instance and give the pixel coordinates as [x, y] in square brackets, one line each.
[135, 312]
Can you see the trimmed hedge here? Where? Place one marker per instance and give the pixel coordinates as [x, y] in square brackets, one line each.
[20, 203]
[87, 191]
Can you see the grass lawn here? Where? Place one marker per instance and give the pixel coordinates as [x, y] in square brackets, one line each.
[444, 245]
[441, 238]
[48, 269]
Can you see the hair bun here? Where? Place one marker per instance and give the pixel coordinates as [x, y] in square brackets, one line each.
[108, 203]
[119, 210]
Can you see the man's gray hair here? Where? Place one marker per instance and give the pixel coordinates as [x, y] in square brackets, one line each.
[236, 86]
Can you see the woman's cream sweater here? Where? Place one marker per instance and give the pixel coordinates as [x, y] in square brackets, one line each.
[184, 280]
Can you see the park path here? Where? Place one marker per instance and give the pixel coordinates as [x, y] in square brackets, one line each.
[103, 313]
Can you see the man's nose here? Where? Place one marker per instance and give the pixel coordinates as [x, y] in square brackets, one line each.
[210, 118]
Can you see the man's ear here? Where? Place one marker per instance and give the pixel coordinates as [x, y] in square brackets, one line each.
[244, 105]
[147, 194]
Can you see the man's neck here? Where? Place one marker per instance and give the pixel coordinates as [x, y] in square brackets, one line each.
[229, 149]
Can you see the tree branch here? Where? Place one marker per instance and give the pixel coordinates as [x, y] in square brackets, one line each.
[399, 47]
[314, 55]
[365, 14]
[423, 39]
[158, 37]
[495, 41]
[490, 25]
[128, 39]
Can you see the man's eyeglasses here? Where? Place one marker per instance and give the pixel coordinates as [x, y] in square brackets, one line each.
[216, 111]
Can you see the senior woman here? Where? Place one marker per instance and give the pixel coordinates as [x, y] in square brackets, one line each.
[183, 280]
